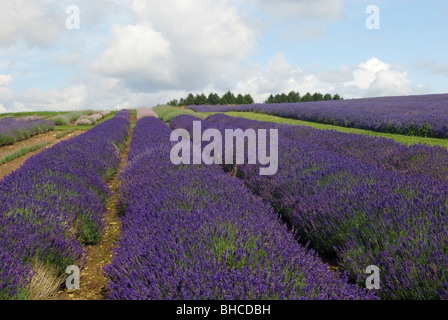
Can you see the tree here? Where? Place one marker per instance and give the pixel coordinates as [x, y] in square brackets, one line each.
[200, 99]
[270, 99]
[328, 97]
[228, 98]
[318, 96]
[182, 102]
[294, 97]
[240, 99]
[214, 99]
[307, 97]
[248, 99]
[190, 100]
[282, 98]
[336, 97]
[173, 103]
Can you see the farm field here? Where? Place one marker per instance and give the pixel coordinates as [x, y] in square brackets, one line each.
[110, 200]
[409, 140]
[224, 158]
[56, 199]
[424, 116]
[28, 132]
[358, 206]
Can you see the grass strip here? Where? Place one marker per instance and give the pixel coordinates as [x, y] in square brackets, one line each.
[409, 140]
[22, 152]
[64, 133]
[166, 113]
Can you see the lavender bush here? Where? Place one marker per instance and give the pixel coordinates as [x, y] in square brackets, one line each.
[66, 118]
[358, 213]
[54, 203]
[145, 112]
[425, 115]
[194, 232]
[83, 122]
[15, 129]
[381, 152]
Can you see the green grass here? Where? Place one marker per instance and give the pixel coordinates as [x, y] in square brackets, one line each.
[166, 113]
[33, 113]
[409, 140]
[64, 133]
[22, 152]
[133, 118]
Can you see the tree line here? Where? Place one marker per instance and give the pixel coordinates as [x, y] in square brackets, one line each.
[230, 98]
[294, 97]
[212, 99]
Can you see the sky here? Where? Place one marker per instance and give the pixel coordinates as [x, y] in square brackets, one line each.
[132, 53]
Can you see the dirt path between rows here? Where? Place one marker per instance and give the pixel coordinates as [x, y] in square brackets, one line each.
[7, 168]
[94, 285]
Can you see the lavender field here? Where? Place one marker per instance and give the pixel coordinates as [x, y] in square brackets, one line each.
[339, 203]
[195, 232]
[425, 116]
[53, 205]
[358, 205]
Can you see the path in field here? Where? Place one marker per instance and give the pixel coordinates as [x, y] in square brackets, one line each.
[7, 168]
[93, 283]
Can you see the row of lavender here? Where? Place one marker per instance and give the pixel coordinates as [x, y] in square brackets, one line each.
[357, 213]
[381, 152]
[145, 112]
[194, 232]
[414, 115]
[53, 204]
[16, 129]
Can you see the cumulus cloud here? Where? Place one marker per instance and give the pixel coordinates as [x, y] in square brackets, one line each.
[94, 91]
[37, 22]
[5, 80]
[199, 44]
[149, 52]
[138, 53]
[6, 95]
[370, 78]
[8, 99]
[377, 78]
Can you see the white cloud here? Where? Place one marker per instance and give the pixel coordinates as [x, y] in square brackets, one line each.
[300, 20]
[7, 97]
[177, 45]
[370, 78]
[434, 67]
[37, 22]
[137, 53]
[377, 78]
[312, 31]
[67, 59]
[304, 9]
[5, 80]
[95, 91]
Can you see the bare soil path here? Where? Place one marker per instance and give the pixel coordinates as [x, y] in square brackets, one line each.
[93, 283]
[11, 166]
